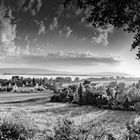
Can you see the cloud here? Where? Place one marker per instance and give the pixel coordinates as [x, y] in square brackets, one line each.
[66, 32]
[43, 58]
[54, 24]
[60, 10]
[7, 32]
[69, 31]
[33, 6]
[74, 59]
[70, 12]
[29, 6]
[79, 12]
[101, 35]
[20, 4]
[39, 5]
[42, 27]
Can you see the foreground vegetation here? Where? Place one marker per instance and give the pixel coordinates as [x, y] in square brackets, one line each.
[19, 125]
[41, 119]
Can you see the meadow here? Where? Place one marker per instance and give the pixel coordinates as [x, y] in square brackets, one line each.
[35, 116]
[45, 114]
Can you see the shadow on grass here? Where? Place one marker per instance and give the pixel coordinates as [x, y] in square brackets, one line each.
[33, 100]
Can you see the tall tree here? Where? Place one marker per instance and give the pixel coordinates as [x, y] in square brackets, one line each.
[80, 93]
[34, 82]
[124, 14]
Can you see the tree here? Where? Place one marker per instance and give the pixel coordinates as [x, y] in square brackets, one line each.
[80, 93]
[34, 82]
[86, 83]
[124, 14]
[73, 87]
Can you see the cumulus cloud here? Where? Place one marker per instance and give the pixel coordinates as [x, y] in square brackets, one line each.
[66, 31]
[54, 24]
[20, 4]
[101, 35]
[33, 6]
[60, 10]
[42, 27]
[39, 5]
[29, 6]
[69, 31]
[7, 32]
[70, 12]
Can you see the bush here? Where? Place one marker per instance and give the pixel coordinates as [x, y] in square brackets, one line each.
[56, 98]
[133, 130]
[14, 128]
[65, 129]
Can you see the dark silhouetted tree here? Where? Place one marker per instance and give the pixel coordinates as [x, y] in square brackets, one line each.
[80, 93]
[34, 82]
[124, 14]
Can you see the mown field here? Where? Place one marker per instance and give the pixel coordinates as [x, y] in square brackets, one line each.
[36, 106]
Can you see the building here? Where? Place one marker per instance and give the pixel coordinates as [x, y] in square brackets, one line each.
[24, 88]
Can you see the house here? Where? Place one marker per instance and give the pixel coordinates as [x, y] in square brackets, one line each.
[24, 88]
[15, 88]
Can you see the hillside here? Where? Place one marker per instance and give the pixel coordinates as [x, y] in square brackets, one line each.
[27, 71]
[35, 71]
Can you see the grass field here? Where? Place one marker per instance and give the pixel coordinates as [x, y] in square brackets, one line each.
[19, 97]
[36, 106]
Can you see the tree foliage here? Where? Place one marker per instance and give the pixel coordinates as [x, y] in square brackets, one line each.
[124, 14]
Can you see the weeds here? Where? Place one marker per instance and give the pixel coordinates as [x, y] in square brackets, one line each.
[14, 127]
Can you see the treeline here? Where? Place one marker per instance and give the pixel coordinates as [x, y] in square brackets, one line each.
[32, 81]
[20, 81]
[112, 96]
[48, 83]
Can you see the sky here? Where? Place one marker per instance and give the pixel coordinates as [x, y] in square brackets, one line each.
[44, 34]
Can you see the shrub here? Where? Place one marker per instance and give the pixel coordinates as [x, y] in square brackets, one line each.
[63, 95]
[56, 98]
[65, 129]
[133, 130]
[14, 128]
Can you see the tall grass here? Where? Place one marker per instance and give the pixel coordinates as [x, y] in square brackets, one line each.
[14, 127]
[65, 129]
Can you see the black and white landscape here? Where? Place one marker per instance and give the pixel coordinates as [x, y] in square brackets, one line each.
[69, 70]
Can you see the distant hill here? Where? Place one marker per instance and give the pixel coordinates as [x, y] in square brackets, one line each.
[35, 71]
[114, 74]
[28, 71]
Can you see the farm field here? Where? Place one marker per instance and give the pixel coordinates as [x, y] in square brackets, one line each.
[36, 106]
